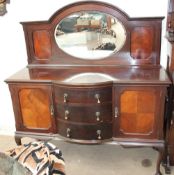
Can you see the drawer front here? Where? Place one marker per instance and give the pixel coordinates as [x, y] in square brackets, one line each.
[85, 114]
[84, 132]
[82, 95]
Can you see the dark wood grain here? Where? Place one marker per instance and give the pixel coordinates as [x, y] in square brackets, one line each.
[84, 132]
[42, 44]
[170, 54]
[82, 95]
[85, 113]
[142, 42]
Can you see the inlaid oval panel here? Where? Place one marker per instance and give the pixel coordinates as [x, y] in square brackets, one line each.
[90, 35]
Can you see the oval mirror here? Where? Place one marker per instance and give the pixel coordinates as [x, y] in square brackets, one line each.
[90, 35]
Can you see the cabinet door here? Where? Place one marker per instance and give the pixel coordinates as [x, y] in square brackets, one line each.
[33, 107]
[139, 112]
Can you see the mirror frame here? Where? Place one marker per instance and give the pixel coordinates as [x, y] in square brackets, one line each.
[97, 30]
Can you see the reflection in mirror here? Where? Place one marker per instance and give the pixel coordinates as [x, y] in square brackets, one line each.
[89, 77]
[90, 35]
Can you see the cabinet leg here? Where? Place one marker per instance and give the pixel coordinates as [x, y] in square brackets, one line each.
[166, 164]
[166, 160]
[159, 161]
[18, 140]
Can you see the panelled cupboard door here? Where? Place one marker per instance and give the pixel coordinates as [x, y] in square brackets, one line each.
[139, 111]
[33, 107]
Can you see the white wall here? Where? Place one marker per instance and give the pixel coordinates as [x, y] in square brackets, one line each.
[12, 45]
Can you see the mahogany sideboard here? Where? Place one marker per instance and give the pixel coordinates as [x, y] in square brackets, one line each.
[93, 85]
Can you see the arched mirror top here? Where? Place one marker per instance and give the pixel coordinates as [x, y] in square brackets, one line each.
[94, 33]
[98, 6]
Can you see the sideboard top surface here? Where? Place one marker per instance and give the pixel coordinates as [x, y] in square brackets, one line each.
[127, 75]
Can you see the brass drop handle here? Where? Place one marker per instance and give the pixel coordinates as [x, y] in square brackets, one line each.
[116, 112]
[52, 110]
[68, 131]
[97, 114]
[65, 98]
[172, 120]
[99, 134]
[66, 114]
[97, 96]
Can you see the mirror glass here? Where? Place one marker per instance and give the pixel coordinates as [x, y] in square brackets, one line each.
[90, 35]
[89, 77]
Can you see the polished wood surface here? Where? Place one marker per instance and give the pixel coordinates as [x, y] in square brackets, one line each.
[85, 113]
[33, 105]
[130, 75]
[170, 55]
[142, 42]
[42, 44]
[83, 95]
[139, 112]
[85, 132]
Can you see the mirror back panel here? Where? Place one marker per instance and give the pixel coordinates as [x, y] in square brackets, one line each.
[93, 33]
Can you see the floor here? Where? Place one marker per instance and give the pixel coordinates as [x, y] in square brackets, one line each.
[100, 159]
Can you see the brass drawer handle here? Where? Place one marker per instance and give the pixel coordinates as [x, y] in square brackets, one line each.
[99, 134]
[97, 96]
[68, 132]
[97, 114]
[65, 98]
[116, 112]
[66, 114]
[52, 110]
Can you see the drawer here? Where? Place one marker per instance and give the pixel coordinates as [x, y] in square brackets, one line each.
[85, 113]
[82, 95]
[84, 132]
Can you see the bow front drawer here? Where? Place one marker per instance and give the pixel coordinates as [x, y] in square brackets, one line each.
[85, 113]
[85, 132]
[96, 95]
